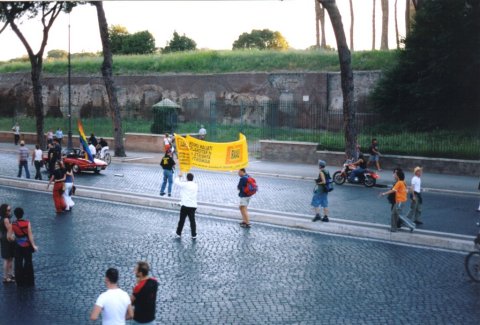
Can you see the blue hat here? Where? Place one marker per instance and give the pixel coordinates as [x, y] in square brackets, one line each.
[322, 163]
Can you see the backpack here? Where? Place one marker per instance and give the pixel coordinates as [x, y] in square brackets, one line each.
[250, 187]
[328, 181]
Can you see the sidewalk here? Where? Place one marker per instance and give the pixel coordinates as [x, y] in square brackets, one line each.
[431, 181]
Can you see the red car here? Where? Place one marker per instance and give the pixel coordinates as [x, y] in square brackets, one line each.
[76, 158]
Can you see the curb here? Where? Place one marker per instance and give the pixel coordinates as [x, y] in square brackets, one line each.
[344, 227]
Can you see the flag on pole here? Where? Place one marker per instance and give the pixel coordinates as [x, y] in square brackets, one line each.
[83, 140]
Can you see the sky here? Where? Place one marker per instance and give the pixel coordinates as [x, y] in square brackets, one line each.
[211, 24]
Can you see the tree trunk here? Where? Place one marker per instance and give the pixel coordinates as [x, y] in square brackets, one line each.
[384, 41]
[317, 24]
[37, 64]
[323, 43]
[346, 75]
[352, 20]
[397, 37]
[373, 25]
[109, 84]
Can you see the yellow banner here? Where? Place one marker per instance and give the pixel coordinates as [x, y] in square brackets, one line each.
[224, 156]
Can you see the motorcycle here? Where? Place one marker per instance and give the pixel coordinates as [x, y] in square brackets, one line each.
[368, 178]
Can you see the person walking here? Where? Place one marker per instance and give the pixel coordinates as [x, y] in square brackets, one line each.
[168, 165]
[25, 246]
[400, 190]
[37, 160]
[49, 136]
[114, 304]
[23, 160]
[374, 154]
[244, 198]
[144, 295]
[59, 136]
[69, 180]
[16, 133]
[415, 212]
[188, 203]
[202, 133]
[320, 193]
[7, 243]
[58, 178]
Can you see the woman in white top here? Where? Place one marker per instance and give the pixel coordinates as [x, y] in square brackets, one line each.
[37, 161]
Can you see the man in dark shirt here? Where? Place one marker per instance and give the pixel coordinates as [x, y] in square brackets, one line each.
[361, 166]
[168, 165]
[144, 296]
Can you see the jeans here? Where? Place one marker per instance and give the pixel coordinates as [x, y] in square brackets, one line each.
[396, 211]
[167, 176]
[24, 164]
[184, 212]
[415, 212]
[356, 173]
[38, 165]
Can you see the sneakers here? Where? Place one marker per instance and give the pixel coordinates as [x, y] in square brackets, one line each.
[162, 193]
[194, 237]
[168, 194]
[177, 235]
[245, 225]
[316, 218]
[325, 219]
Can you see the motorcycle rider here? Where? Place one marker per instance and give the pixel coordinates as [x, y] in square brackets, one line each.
[360, 166]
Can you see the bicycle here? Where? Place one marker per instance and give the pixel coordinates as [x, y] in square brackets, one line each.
[106, 157]
[472, 260]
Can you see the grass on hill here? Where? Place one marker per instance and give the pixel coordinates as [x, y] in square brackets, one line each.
[215, 62]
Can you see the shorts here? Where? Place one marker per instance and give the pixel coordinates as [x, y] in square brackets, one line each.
[244, 201]
[320, 200]
[374, 157]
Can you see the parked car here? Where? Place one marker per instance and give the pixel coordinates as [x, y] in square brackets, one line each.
[76, 158]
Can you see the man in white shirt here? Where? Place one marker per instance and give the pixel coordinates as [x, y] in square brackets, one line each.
[114, 304]
[188, 202]
[416, 197]
[202, 133]
[92, 149]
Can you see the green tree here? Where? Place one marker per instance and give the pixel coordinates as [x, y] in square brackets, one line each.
[117, 35]
[180, 43]
[13, 13]
[139, 43]
[57, 54]
[435, 82]
[262, 40]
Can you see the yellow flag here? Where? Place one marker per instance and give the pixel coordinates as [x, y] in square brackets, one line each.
[224, 156]
[183, 152]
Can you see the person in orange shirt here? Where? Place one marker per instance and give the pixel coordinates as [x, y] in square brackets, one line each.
[400, 190]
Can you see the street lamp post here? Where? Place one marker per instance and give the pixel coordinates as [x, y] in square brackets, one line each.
[69, 143]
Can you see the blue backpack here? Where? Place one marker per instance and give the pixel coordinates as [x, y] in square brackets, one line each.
[328, 181]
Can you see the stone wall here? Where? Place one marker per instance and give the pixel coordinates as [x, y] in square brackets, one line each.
[301, 152]
[136, 94]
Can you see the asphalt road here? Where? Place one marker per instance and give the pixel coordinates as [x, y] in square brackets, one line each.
[230, 275]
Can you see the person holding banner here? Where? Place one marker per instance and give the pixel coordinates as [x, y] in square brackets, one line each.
[168, 165]
[188, 203]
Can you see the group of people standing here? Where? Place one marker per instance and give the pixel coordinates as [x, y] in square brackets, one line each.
[116, 306]
[17, 245]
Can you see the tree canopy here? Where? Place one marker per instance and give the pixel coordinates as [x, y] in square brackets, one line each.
[261, 39]
[180, 43]
[435, 83]
[122, 42]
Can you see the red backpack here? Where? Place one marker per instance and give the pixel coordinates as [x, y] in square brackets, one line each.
[250, 187]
